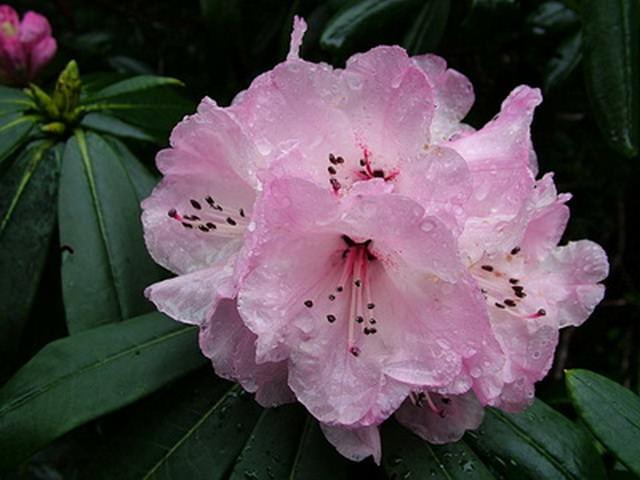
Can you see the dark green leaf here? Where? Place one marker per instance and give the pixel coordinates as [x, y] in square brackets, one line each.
[156, 110]
[407, 456]
[316, 459]
[611, 51]
[195, 429]
[105, 265]
[564, 61]
[82, 377]
[358, 24]
[552, 17]
[538, 443]
[611, 412]
[28, 192]
[133, 85]
[14, 128]
[107, 124]
[272, 447]
[13, 100]
[426, 31]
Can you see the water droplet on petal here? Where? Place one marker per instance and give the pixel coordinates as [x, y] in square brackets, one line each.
[427, 226]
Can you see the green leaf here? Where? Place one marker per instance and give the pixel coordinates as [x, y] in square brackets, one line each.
[133, 85]
[106, 124]
[13, 100]
[316, 459]
[28, 192]
[272, 447]
[359, 23]
[426, 32]
[14, 129]
[195, 429]
[611, 50]
[156, 110]
[611, 412]
[564, 61]
[538, 443]
[79, 378]
[105, 265]
[407, 456]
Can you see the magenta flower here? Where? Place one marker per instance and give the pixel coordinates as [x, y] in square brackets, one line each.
[343, 240]
[25, 47]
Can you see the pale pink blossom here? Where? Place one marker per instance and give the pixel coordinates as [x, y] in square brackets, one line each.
[343, 239]
[25, 46]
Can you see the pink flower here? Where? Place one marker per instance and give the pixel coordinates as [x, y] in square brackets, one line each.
[344, 240]
[25, 47]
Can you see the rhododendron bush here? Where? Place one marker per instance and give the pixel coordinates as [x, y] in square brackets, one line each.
[357, 226]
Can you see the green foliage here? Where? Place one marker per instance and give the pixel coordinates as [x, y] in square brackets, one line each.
[117, 395]
[611, 412]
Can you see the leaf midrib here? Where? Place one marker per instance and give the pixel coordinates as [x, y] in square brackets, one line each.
[189, 432]
[88, 168]
[35, 392]
[531, 441]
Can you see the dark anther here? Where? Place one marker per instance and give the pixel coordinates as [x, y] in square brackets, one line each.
[193, 218]
[509, 303]
[332, 170]
[542, 312]
[445, 400]
[210, 201]
[308, 303]
[515, 251]
[335, 183]
[195, 204]
[242, 212]
[187, 225]
[331, 318]
[378, 173]
[359, 319]
[339, 160]
[499, 305]
[339, 289]
[172, 213]
[231, 221]
[366, 330]
[203, 228]
[332, 158]
[373, 331]
[355, 351]
[521, 294]
[371, 306]
[211, 225]
[514, 281]
[362, 162]
[332, 297]
[487, 268]
[372, 321]
[357, 283]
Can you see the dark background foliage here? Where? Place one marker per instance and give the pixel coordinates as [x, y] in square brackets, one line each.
[217, 47]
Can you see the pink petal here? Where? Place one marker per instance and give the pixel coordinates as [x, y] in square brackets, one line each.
[193, 298]
[33, 29]
[439, 180]
[429, 317]
[389, 102]
[355, 444]
[10, 16]
[41, 54]
[455, 415]
[231, 347]
[453, 96]
[499, 156]
[582, 265]
[199, 169]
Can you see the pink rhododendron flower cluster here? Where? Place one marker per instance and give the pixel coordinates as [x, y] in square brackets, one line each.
[25, 47]
[342, 239]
